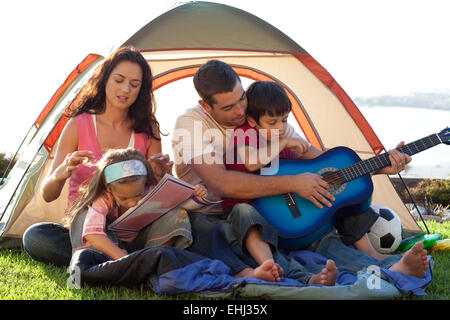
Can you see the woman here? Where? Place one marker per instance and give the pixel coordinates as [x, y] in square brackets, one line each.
[115, 110]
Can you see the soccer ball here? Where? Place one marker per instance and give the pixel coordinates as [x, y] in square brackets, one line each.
[386, 233]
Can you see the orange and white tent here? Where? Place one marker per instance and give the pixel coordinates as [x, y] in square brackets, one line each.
[175, 44]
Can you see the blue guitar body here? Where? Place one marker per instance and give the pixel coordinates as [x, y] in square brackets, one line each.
[299, 230]
[298, 221]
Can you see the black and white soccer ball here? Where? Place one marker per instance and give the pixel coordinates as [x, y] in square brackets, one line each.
[386, 233]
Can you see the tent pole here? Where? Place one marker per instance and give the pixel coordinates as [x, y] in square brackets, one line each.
[414, 202]
[15, 155]
[412, 199]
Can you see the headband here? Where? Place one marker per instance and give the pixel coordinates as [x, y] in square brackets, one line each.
[124, 169]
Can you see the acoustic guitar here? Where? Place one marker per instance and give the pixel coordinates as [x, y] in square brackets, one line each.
[298, 221]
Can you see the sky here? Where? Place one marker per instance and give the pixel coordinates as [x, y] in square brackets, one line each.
[369, 47]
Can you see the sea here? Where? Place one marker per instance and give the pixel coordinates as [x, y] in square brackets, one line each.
[393, 124]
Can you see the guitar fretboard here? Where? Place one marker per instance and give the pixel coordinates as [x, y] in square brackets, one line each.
[375, 163]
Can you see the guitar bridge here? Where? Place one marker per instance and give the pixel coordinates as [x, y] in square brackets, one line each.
[290, 202]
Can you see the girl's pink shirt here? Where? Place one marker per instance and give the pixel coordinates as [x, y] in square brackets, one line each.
[102, 212]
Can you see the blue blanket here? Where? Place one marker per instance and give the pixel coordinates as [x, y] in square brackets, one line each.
[173, 271]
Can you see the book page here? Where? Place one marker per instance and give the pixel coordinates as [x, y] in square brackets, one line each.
[168, 194]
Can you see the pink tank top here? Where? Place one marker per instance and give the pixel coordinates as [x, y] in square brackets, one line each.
[87, 140]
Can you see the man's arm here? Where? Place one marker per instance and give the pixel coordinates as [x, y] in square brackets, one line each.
[241, 185]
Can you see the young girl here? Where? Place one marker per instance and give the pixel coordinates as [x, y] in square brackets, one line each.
[122, 178]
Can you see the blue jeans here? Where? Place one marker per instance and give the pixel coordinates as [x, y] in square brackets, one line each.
[48, 243]
[346, 257]
[231, 230]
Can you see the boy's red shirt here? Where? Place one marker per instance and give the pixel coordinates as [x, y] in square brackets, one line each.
[245, 135]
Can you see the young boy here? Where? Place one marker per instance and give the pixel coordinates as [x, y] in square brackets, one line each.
[267, 113]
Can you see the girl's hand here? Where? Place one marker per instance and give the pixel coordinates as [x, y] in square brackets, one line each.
[71, 163]
[200, 191]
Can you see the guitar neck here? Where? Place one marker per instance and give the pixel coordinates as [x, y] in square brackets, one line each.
[375, 163]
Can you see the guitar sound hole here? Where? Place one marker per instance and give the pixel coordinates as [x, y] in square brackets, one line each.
[333, 180]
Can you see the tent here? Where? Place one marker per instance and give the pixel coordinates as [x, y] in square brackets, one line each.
[175, 44]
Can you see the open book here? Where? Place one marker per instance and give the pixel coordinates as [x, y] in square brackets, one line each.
[168, 194]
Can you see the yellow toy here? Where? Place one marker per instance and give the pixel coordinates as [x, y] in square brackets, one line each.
[441, 245]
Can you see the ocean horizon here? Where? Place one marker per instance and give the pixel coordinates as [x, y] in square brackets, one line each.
[393, 124]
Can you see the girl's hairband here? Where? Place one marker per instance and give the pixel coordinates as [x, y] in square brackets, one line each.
[124, 169]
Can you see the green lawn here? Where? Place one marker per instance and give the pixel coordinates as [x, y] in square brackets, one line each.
[21, 278]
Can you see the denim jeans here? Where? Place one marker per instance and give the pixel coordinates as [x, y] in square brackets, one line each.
[229, 236]
[48, 243]
[347, 257]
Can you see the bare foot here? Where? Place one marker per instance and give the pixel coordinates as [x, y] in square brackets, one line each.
[328, 275]
[280, 270]
[268, 270]
[414, 262]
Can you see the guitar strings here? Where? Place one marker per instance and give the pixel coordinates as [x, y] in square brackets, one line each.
[369, 165]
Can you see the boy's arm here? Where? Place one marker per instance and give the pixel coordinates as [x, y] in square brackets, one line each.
[312, 153]
[102, 243]
[256, 158]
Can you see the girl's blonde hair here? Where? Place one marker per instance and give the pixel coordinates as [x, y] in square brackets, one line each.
[88, 193]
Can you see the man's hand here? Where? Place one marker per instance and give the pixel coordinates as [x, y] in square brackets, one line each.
[313, 188]
[398, 161]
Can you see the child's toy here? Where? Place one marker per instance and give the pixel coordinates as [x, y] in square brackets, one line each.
[428, 241]
[386, 233]
[441, 245]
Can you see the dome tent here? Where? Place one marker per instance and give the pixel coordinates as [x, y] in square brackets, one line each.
[175, 44]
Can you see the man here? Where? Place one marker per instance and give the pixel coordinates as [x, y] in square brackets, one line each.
[199, 144]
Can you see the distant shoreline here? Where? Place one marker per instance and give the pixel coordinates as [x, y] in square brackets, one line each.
[435, 101]
[361, 104]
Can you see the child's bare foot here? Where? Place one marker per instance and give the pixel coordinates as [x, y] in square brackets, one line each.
[414, 262]
[268, 271]
[280, 270]
[328, 275]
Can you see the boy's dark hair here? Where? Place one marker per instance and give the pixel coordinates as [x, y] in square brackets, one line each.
[267, 97]
[214, 77]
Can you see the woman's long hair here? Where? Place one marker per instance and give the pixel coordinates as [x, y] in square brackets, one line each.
[88, 193]
[93, 96]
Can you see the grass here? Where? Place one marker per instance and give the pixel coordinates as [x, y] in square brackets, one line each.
[22, 278]
[439, 289]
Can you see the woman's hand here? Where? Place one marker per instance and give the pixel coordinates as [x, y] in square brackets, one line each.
[161, 165]
[71, 163]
